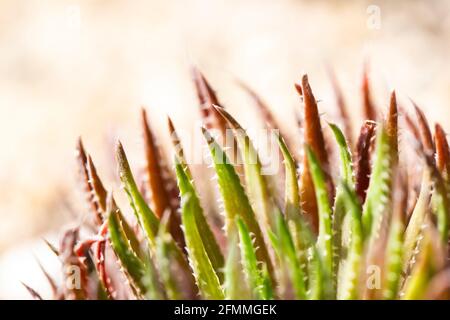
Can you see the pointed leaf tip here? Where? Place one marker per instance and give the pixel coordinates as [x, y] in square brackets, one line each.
[369, 108]
[442, 150]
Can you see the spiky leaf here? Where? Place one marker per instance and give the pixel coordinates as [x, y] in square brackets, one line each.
[207, 237]
[256, 277]
[141, 276]
[147, 219]
[235, 200]
[325, 238]
[207, 280]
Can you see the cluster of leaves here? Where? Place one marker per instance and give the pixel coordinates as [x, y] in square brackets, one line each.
[366, 229]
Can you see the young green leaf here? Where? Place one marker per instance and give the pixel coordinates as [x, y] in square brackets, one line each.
[430, 262]
[178, 149]
[301, 232]
[258, 189]
[325, 237]
[207, 237]
[414, 230]
[288, 255]
[100, 196]
[147, 219]
[380, 187]
[340, 223]
[292, 193]
[141, 276]
[394, 250]
[175, 275]
[235, 200]
[255, 276]
[234, 283]
[351, 266]
[207, 279]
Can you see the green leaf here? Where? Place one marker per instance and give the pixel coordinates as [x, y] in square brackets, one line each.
[166, 257]
[234, 284]
[325, 238]
[207, 237]
[142, 276]
[147, 219]
[351, 266]
[346, 169]
[440, 202]
[235, 200]
[301, 232]
[255, 276]
[257, 186]
[414, 229]
[291, 197]
[424, 269]
[287, 254]
[341, 225]
[394, 259]
[207, 280]
[380, 186]
[319, 284]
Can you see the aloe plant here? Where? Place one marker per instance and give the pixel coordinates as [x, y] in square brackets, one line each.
[353, 230]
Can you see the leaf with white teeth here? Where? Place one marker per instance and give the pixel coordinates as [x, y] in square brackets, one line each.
[341, 223]
[257, 186]
[350, 268]
[235, 200]
[147, 219]
[325, 237]
[207, 237]
[256, 276]
[141, 275]
[380, 187]
[206, 277]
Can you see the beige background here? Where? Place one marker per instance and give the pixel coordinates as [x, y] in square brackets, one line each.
[70, 68]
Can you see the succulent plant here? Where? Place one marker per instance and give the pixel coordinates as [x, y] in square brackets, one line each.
[368, 228]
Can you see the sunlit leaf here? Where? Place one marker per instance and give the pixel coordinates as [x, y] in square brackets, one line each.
[206, 278]
[206, 235]
[235, 200]
[255, 275]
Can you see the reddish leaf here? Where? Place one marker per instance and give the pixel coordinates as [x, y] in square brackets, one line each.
[392, 126]
[362, 161]
[162, 186]
[424, 131]
[313, 137]
[82, 164]
[206, 98]
[32, 292]
[369, 108]
[442, 150]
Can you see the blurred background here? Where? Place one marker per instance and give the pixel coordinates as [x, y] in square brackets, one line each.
[71, 68]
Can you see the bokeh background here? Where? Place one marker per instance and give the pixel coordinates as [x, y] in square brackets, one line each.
[70, 68]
